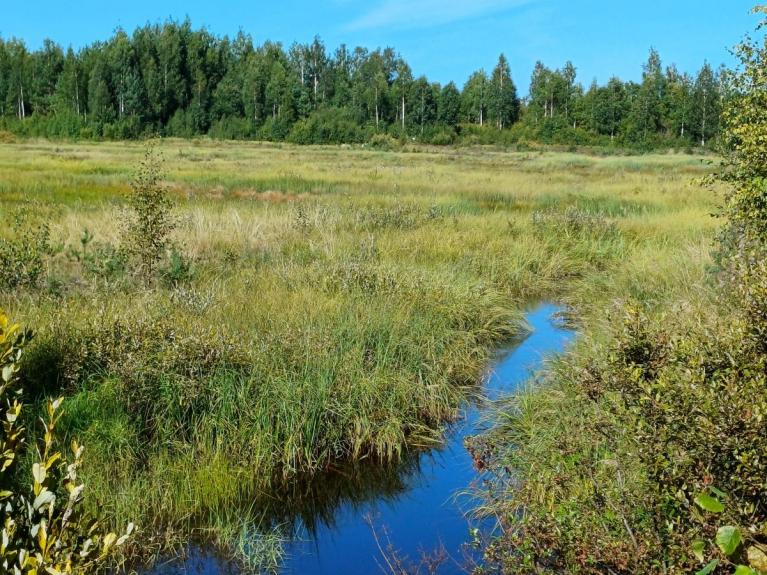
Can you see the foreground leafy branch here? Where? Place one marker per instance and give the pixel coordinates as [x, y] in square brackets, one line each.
[44, 529]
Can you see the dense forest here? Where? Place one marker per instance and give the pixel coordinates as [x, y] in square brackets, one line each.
[176, 81]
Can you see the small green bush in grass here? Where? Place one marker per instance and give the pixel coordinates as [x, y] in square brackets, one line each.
[150, 221]
[22, 254]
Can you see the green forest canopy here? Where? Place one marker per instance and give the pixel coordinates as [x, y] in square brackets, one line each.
[174, 80]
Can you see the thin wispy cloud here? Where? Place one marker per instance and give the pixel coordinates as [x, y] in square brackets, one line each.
[429, 13]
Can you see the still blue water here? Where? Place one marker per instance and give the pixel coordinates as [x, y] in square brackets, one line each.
[428, 514]
[422, 513]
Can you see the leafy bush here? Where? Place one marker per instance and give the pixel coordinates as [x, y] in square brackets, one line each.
[177, 271]
[87, 133]
[695, 406]
[384, 142]
[230, 128]
[327, 126]
[444, 137]
[21, 255]
[275, 129]
[635, 444]
[101, 260]
[44, 528]
[472, 134]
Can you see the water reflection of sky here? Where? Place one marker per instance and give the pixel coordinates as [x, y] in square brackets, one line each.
[428, 515]
[422, 514]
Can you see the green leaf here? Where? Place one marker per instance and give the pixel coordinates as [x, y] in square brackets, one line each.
[708, 568]
[743, 570]
[697, 549]
[728, 538]
[44, 498]
[709, 503]
[720, 494]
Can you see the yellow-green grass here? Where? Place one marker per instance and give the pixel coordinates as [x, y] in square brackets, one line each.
[342, 305]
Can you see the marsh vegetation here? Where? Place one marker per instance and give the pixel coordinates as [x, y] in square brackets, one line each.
[642, 449]
[261, 340]
[314, 309]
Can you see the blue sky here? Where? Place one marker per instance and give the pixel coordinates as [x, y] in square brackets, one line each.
[444, 39]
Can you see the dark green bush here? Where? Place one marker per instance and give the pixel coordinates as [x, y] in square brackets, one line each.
[328, 126]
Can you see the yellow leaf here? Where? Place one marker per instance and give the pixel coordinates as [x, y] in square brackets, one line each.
[109, 540]
[52, 459]
[757, 558]
[42, 536]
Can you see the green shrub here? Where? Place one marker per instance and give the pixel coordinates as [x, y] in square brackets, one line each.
[275, 130]
[383, 142]
[178, 269]
[100, 260]
[694, 403]
[150, 222]
[444, 137]
[647, 454]
[633, 441]
[109, 131]
[21, 254]
[327, 126]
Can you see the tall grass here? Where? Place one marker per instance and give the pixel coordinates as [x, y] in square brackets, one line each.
[341, 309]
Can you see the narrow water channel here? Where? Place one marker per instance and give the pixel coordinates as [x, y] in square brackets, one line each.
[427, 515]
[422, 513]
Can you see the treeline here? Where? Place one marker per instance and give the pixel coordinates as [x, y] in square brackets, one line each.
[667, 108]
[173, 80]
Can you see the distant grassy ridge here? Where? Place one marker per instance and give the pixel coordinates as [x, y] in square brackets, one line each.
[341, 306]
